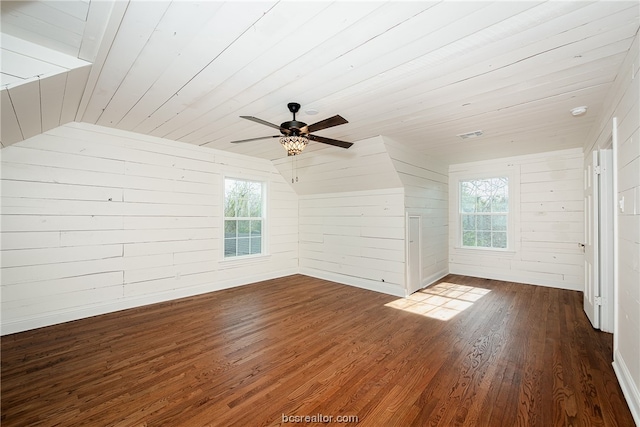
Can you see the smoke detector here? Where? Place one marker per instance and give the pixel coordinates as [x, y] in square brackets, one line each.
[579, 111]
[473, 134]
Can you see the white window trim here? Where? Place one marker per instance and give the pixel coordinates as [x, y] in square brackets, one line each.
[251, 258]
[242, 260]
[513, 231]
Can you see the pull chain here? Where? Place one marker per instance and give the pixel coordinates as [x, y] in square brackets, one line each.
[294, 169]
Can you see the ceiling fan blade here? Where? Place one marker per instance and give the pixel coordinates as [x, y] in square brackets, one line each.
[262, 122]
[330, 141]
[327, 123]
[255, 139]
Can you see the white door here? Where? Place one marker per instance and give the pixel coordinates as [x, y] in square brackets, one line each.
[413, 257]
[591, 221]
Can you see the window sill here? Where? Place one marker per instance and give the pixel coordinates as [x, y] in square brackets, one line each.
[242, 261]
[486, 251]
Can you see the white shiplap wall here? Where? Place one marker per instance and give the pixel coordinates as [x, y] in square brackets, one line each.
[351, 215]
[97, 219]
[356, 238]
[548, 226]
[353, 207]
[365, 166]
[623, 103]
[425, 195]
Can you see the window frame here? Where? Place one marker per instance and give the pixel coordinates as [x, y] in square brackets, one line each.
[476, 214]
[263, 232]
[512, 215]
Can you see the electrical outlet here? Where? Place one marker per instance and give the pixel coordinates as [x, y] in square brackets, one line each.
[621, 204]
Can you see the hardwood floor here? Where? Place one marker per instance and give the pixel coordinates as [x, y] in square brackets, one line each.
[509, 354]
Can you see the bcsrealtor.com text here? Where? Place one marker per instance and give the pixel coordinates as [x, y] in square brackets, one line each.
[319, 418]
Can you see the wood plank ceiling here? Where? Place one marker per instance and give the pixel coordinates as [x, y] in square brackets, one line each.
[418, 72]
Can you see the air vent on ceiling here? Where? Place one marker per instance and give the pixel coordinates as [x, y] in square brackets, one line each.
[473, 134]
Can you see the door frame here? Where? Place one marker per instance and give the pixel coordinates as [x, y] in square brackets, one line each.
[604, 231]
[616, 271]
[408, 289]
[591, 304]
[606, 245]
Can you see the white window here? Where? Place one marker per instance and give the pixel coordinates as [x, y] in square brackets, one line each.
[484, 212]
[244, 217]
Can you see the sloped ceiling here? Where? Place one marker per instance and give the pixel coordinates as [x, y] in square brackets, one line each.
[418, 72]
[47, 49]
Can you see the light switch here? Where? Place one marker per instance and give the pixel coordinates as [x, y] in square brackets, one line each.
[621, 204]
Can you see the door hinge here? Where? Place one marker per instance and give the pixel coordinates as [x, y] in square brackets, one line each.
[597, 300]
[597, 170]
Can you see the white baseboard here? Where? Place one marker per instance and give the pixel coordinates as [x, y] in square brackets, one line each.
[516, 278]
[359, 282]
[629, 388]
[25, 324]
[430, 280]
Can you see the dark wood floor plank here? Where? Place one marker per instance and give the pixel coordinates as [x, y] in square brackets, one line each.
[296, 346]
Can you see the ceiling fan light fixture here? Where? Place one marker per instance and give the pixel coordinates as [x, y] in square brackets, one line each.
[294, 144]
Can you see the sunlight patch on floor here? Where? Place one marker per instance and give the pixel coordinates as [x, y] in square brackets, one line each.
[442, 301]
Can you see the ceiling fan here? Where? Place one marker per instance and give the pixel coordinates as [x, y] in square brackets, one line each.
[296, 135]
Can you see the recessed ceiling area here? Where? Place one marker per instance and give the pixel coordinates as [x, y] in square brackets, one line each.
[420, 73]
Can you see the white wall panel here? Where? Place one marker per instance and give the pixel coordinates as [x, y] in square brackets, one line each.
[24, 257]
[24, 293]
[26, 104]
[339, 238]
[95, 220]
[550, 212]
[364, 166]
[623, 103]
[426, 194]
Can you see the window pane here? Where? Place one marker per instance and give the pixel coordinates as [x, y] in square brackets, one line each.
[467, 188]
[484, 222]
[244, 247]
[244, 228]
[469, 238]
[255, 200]
[229, 247]
[256, 245]
[499, 223]
[243, 206]
[229, 205]
[468, 222]
[256, 228]
[468, 204]
[483, 204]
[500, 185]
[499, 239]
[230, 228]
[484, 239]
[499, 204]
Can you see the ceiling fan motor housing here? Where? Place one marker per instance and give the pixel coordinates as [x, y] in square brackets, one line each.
[294, 128]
